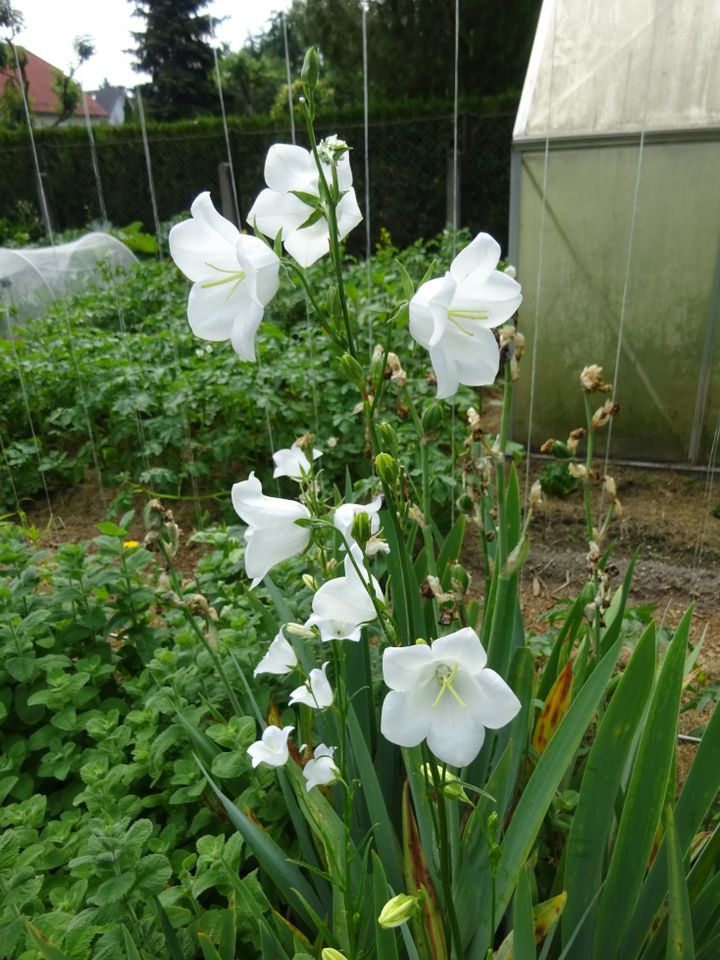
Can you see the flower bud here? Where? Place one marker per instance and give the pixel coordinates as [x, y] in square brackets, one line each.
[330, 953]
[387, 468]
[398, 910]
[388, 438]
[310, 73]
[310, 582]
[361, 528]
[461, 577]
[298, 630]
[352, 370]
[432, 418]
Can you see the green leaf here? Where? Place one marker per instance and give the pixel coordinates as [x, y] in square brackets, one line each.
[229, 765]
[698, 793]
[285, 875]
[109, 529]
[644, 800]
[46, 947]
[535, 800]
[309, 199]
[385, 836]
[680, 931]
[407, 284]
[384, 939]
[593, 822]
[113, 889]
[130, 948]
[523, 925]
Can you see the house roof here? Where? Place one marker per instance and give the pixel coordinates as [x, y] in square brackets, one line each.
[40, 74]
[107, 97]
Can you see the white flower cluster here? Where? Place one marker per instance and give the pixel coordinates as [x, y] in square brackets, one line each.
[441, 692]
[235, 275]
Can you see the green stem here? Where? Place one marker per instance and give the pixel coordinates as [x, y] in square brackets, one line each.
[502, 548]
[330, 198]
[588, 465]
[452, 931]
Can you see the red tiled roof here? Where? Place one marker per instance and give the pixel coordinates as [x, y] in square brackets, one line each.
[40, 76]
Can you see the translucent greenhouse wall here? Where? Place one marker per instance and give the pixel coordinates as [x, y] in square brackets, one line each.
[670, 341]
[621, 96]
[32, 277]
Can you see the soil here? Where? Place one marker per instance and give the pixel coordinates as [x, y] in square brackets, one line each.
[667, 518]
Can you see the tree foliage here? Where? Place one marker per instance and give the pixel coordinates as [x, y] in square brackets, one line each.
[411, 45]
[175, 51]
[64, 86]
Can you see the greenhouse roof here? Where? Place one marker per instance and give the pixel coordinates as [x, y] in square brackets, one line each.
[619, 67]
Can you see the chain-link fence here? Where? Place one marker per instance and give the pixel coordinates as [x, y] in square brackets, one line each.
[410, 161]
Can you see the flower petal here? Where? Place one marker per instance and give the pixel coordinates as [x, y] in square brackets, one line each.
[495, 704]
[479, 257]
[210, 314]
[267, 547]
[196, 250]
[499, 296]
[273, 212]
[244, 329]
[462, 647]
[260, 263]
[203, 211]
[288, 167]
[308, 244]
[405, 718]
[455, 736]
[348, 213]
[405, 667]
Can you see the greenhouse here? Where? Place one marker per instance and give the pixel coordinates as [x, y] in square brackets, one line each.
[615, 220]
[31, 278]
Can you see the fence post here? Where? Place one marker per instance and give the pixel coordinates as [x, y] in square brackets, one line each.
[227, 200]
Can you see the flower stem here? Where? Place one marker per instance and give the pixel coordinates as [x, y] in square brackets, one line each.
[452, 926]
[588, 465]
[330, 197]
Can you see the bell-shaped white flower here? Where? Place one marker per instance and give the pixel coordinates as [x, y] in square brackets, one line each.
[272, 534]
[272, 748]
[290, 172]
[341, 606]
[444, 693]
[279, 659]
[293, 462]
[321, 770]
[234, 276]
[345, 514]
[316, 692]
[452, 316]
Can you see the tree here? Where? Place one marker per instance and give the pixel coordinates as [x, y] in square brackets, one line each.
[64, 86]
[411, 45]
[12, 109]
[175, 51]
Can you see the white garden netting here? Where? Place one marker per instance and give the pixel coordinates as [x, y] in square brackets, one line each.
[32, 277]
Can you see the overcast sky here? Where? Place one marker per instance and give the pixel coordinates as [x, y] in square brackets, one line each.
[52, 25]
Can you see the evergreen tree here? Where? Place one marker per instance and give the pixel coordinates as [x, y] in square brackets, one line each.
[174, 50]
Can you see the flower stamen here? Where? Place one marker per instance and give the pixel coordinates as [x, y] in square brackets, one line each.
[445, 676]
[235, 277]
[465, 313]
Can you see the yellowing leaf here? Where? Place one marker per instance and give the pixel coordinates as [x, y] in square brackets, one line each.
[556, 706]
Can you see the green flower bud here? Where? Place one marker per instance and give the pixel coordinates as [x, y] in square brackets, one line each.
[461, 577]
[387, 468]
[310, 73]
[432, 418]
[330, 953]
[361, 528]
[397, 911]
[352, 370]
[388, 438]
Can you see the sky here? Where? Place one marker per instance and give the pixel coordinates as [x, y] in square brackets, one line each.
[52, 25]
